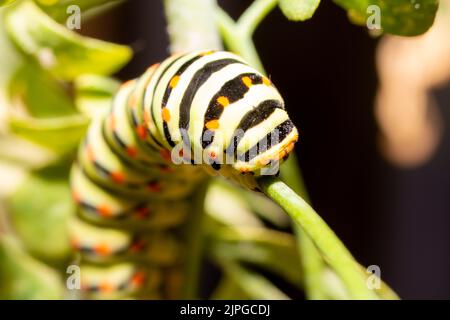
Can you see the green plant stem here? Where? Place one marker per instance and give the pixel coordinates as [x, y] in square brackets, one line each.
[194, 245]
[254, 15]
[311, 260]
[237, 41]
[332, 249]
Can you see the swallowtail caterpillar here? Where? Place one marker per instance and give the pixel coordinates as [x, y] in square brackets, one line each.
[208, 111]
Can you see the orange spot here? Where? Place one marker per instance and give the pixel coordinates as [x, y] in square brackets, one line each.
[74, 243]
[223, 101]
[138, 279]
[166, 114]
[102, 249]
[267, 81]
[174, 81]
[118, 177]
[104, 210]
[165, 154]
[212, 125]
[286, 151]
[244, 170]
[247, 81]
[212, 155]
[75, 196]
[105, 286]
[141, 131]
[131, 151]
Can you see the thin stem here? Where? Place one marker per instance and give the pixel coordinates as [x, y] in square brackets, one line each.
[311, 260]
[194, 245]
[312, 265]
[333, 250]
[227, 26]
[237, 41]
[254, 15]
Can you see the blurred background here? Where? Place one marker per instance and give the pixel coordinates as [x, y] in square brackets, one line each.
[373, 115]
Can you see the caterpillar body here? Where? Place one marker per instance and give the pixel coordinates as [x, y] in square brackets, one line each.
[209, 112]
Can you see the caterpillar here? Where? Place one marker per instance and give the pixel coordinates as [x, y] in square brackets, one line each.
[191, 116]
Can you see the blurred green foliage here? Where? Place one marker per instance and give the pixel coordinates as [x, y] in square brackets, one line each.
[59, 50]
[23, 277]
[40, 211]
[400, 17]
[6, 2]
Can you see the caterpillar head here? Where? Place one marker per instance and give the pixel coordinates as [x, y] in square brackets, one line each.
[230, 117]
[246, 129]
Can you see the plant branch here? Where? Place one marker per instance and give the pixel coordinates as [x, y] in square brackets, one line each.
[333, 250]
[254, 15]
[311, 260]
[237, 41]
[194, 244]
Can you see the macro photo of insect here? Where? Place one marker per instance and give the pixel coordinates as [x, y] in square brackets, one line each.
[224, 150]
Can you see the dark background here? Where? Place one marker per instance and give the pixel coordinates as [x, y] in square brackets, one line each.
[387, 216]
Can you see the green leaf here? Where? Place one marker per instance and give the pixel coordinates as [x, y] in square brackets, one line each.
[400, 17]
[40, 218]
[93, 94]
[58, 49]
[6, 2]
[40, 93]
[60, 135]
[298, 10]
[24, 278]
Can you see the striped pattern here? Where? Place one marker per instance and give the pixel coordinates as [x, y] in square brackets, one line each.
[205, 108]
